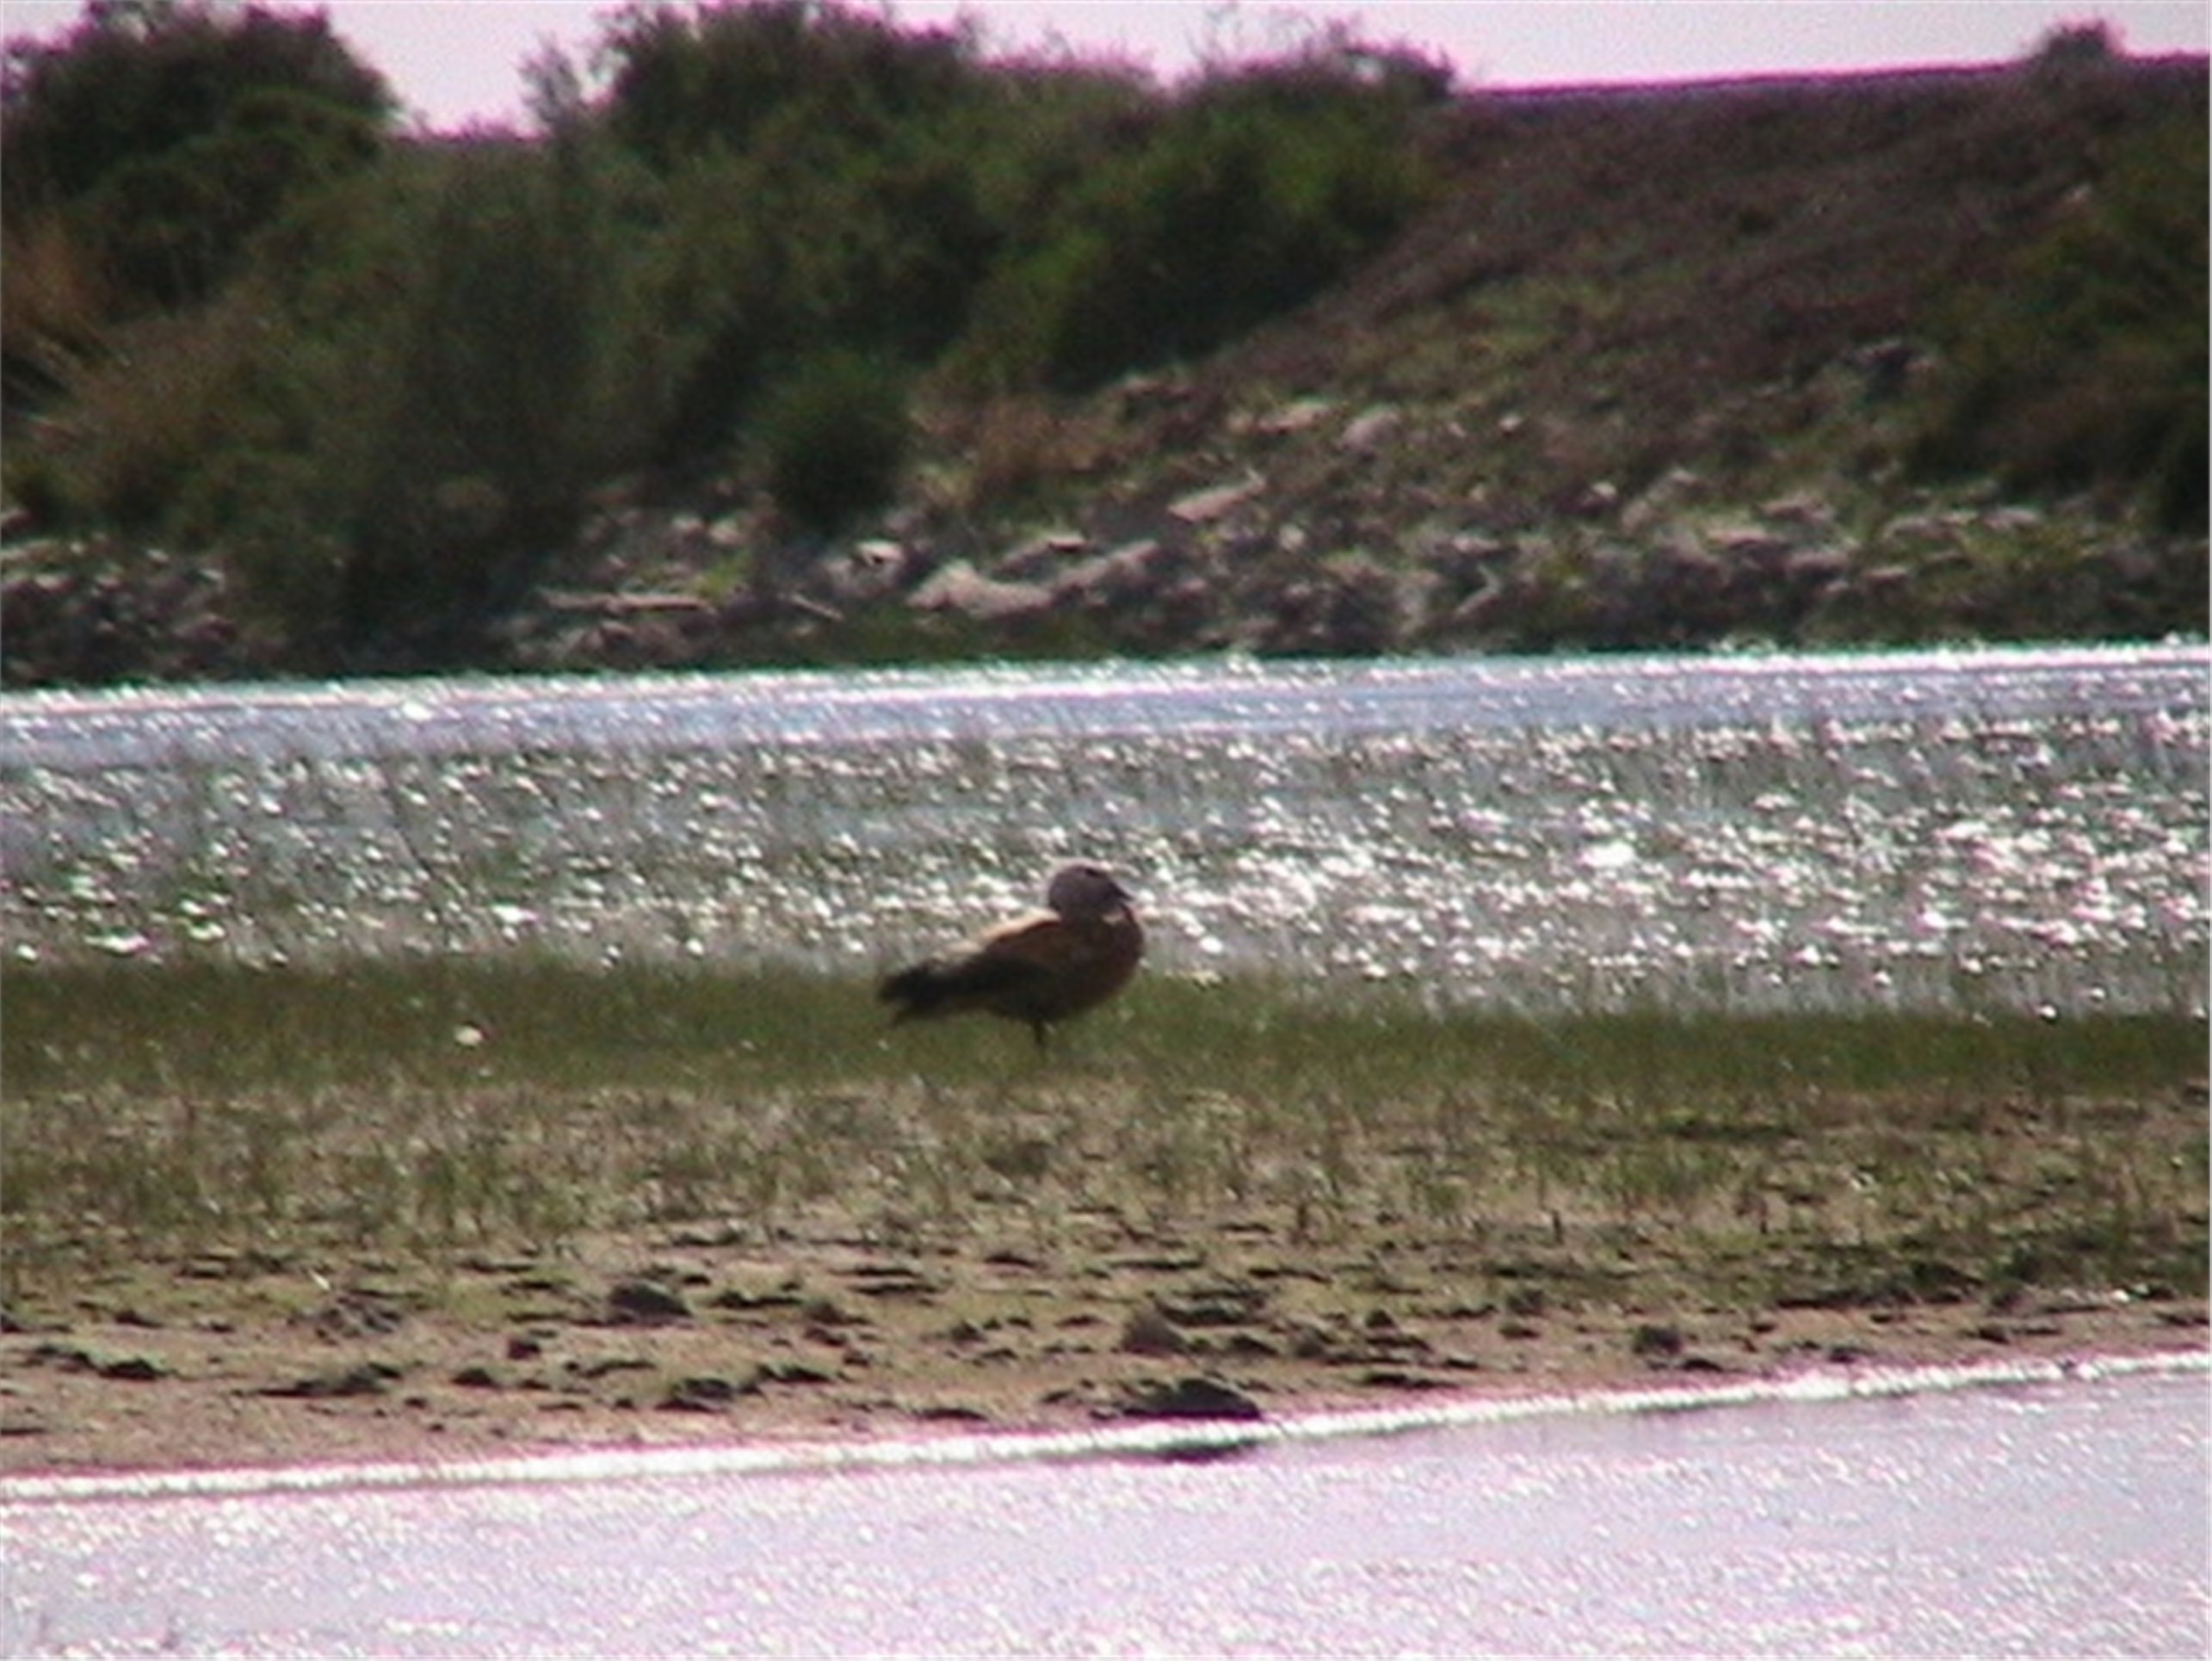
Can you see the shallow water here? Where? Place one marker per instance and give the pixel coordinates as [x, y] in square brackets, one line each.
[1940, 830]
[1900, 1517]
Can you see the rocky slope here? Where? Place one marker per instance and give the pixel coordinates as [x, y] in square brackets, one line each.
[1648, 378]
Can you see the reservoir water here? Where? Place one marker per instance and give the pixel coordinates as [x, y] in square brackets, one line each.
[2062, 1518]
[2024, 828]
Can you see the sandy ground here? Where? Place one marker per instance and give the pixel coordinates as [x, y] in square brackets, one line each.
[231, 1360]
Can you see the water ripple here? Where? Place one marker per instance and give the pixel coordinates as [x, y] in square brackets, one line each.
[1939, 830]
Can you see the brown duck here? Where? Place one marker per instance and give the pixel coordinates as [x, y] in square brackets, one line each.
[1041, 967]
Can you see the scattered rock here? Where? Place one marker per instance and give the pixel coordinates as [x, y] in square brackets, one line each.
[1366, 431]
[1886, 367]
[891, 1281]
[1295, 417]
[1816, 567]
[1018, 1158]
[792, 1373]
[1663, 500]
[69, 1357]
[644, 1301]
[356, 1314]
[1124, 573]
[1192, 1398]
[630, 605]
[960, 589]
[1149, 1332]
[94, 610]
[367, 1379]
[1349, 604]
[1747, 545]
[1598, 499]
[1204, 506]
[704, 1394]
[590, 1371]
[226, 1264]
[132, 1369]
[1217, 1303]
[869, 571]
[1395, 1340]
[1805, 508]
[1039, 554]
[780, 1298]
[1397, 1377]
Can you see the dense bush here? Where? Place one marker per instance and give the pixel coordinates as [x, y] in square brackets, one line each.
[683, 82]
[833, 436]
[382, 381]
[2087, 371]
[480, 436]
[1241, 200]
[724, 298]
[166, 131]
[409, 415]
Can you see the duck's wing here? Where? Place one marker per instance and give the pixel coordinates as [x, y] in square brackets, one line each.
[1045, 940]
[1005, 961]
[1048, 966]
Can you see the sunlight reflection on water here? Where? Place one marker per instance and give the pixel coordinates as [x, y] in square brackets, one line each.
[1953, 830]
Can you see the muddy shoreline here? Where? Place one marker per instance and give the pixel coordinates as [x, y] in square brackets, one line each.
[244, 1362]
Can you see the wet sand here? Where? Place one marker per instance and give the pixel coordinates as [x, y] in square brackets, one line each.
[691, 1337]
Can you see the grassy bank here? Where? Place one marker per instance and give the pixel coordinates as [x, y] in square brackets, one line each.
[424, 1112]
[415, 1211]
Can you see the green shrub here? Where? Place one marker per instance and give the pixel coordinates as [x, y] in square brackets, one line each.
[171, 130]
[683, 85]
[429, 401]
[2088, 370]
[1248, 197]
[822, 179]
[725, 300]
[832, 437]
[480, 435]
[171, 223]
[145, 413]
